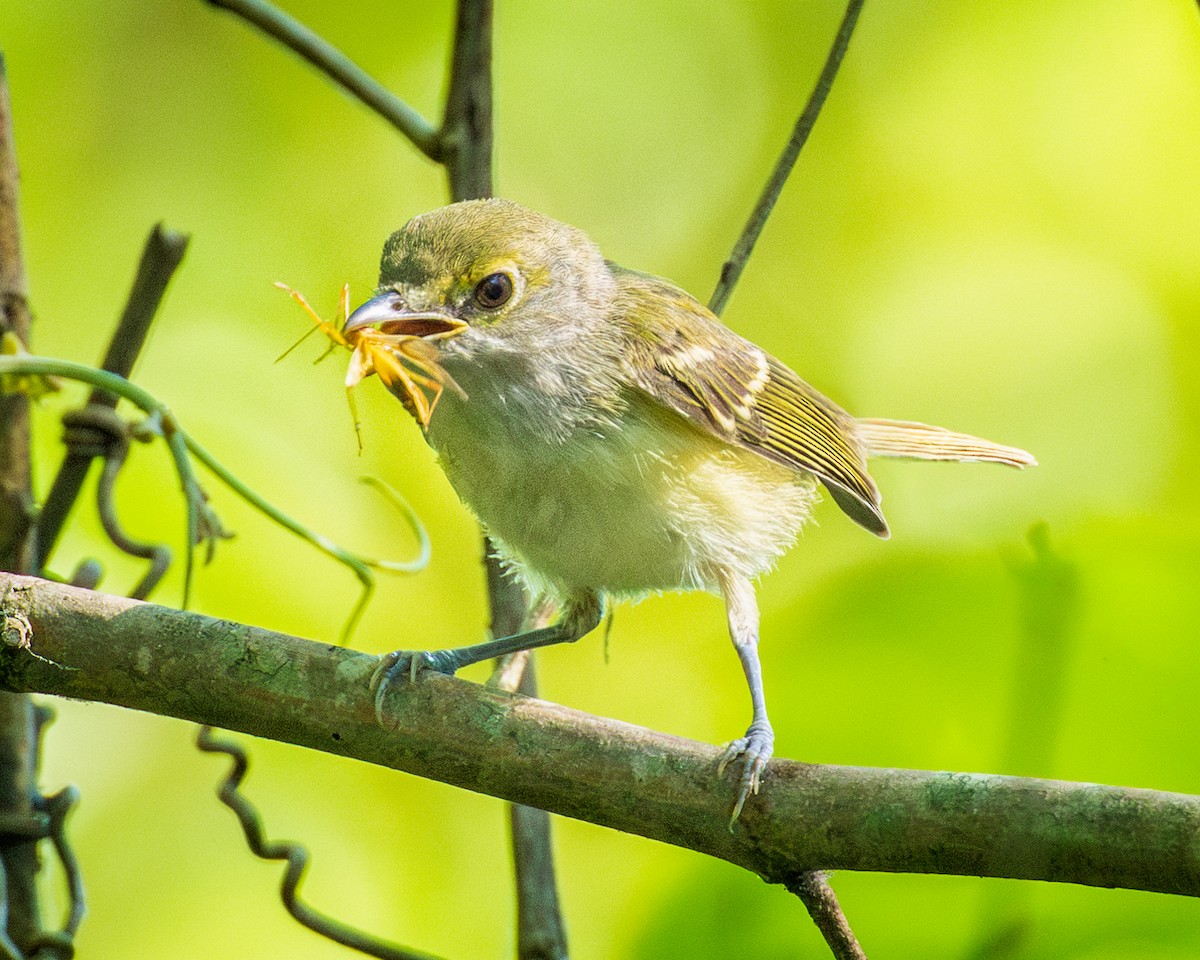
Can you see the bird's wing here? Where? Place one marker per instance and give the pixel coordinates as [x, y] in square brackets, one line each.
[680, 354]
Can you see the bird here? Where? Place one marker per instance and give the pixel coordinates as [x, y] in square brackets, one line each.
[614, 438]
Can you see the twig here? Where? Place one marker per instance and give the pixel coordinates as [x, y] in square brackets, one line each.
[731, 271]
[161, 256]
[339, 68]
[17, 550]
[808, 817]
[295, 855]
[466, 134]
[818, 897]
[541, 933]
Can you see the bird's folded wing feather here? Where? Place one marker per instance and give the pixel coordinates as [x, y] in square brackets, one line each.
[680, 354]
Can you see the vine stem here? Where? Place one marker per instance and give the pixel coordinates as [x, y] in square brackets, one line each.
[183, 447]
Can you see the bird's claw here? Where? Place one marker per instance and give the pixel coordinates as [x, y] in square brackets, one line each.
[399, 663]
[754, 749]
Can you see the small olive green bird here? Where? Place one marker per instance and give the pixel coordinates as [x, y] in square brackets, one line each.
[613, 437]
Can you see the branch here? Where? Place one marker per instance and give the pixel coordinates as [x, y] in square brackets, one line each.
[19, 733]
[339, 68]
[541, 933]
[732, 269]
[466, 135]
[821, 902]
[16, 497]
[161, 256]
[69, 642]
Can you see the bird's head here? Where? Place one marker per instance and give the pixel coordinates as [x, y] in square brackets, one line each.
[488, 275]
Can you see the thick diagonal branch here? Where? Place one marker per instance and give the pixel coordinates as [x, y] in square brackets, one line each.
[161, 256]
[70, 642]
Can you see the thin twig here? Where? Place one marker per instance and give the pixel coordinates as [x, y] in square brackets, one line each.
[296, 856]
[17, 532]
[809, 816]
[161, 256]
[339, 68]
[731, 271]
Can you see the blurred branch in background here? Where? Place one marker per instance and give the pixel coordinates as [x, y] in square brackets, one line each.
[161, 257]
[1050, 602]
[20, 921]
[90, 646]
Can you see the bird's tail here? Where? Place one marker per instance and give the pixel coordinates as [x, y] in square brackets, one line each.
[919, 441]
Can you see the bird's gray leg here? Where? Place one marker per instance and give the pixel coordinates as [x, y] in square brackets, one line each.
[756, 747]
[581, 615]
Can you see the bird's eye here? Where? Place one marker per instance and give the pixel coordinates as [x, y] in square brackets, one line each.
[494, 290]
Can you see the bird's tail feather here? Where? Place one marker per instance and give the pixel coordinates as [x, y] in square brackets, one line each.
[919, 441]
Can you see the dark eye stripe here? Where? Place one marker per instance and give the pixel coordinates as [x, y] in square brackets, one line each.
[494, 290]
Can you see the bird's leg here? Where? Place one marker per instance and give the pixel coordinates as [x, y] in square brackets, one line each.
[580, 617]
[756, 746]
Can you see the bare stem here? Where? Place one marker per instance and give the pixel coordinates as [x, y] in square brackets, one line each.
[16, 497]
[732, 269]
[339, 68]
[161, 256]
[466, 134]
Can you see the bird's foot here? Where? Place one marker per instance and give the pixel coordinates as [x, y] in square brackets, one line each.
[407, 664]
[754, 749]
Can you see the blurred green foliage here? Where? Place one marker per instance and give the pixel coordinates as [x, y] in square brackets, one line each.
[995, 227]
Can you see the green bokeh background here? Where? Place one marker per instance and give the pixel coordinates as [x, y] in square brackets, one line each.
[995, 227]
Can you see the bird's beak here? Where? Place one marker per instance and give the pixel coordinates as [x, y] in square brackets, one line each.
[388, 314]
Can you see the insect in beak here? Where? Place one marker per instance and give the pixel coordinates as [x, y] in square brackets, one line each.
[388, 314]
[397, 345]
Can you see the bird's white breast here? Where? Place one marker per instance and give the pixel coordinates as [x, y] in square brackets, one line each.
[636, 501]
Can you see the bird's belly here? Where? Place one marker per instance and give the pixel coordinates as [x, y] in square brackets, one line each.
[624, 511]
